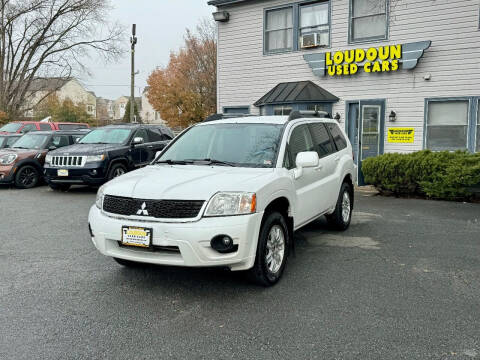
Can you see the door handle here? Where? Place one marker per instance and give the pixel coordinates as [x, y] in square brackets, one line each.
[318, 168]
[337, 158]
[150, 146]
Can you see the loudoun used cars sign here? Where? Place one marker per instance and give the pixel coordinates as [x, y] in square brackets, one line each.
[372, 60]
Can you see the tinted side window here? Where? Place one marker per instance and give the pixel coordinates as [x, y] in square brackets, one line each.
[29, 127]
[60, 140]
[44, 126]
[300, 141]
[337, 136]
[322, 140]
[154, 135]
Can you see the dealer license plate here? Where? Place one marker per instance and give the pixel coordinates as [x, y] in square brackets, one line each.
[62, 172]
[136, 236]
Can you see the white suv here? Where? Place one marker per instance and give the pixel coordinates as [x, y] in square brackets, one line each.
[229, 193]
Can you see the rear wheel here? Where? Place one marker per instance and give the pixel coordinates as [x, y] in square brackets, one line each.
[116, 171]
[128, 263]
[59, 187]
[271, 251]
[342, 216]
[27, 177]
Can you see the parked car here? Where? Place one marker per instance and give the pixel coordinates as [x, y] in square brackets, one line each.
[22, 165]
[229, 193]
[104, 154]
[21, 127]
[7, 141]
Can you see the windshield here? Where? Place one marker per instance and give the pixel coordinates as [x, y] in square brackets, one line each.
[31, 141]
[247, 145]
[11, 128]
[106, 136]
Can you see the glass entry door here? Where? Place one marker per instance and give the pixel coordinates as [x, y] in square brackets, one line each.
[366, 128]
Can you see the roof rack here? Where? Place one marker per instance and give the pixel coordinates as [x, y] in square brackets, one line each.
[294, 115]
[216, 117]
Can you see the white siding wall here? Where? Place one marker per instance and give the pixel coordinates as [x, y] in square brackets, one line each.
[245, 74]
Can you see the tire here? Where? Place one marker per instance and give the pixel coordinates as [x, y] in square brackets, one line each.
[273, 233]
[116, 170]
[59, 187]
[128, 263]
[27, 177]
[342, 216]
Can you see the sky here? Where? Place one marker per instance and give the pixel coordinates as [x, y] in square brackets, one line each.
[161, 25]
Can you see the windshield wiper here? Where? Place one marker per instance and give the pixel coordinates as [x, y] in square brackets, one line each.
[173, 162]
[213, 162]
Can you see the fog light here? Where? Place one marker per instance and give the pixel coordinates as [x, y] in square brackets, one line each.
[94, 172]
[223, 244]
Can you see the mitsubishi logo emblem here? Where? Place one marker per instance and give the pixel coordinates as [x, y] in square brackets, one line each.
[143, 210]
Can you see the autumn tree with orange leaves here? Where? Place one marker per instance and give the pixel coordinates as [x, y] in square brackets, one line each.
[185, 91]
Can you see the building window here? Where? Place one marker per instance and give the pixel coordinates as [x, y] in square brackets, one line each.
[314, 18]
[236, 110]
[368, 20]
[447, 125]
[279, 30]
[90, 108]
[282, 110]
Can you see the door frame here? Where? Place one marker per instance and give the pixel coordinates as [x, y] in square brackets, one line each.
[381, 146]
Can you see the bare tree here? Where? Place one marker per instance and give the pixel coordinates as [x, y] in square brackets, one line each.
[49, 38]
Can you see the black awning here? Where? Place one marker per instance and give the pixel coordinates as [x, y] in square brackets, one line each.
[296, 92]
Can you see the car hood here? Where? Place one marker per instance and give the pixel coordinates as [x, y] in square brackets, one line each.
[188, 182]
[84, 149]
[22, 153]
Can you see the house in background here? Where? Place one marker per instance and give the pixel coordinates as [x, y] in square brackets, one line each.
[69, 88]
[120, 105]
[148, 114]
[105, 113]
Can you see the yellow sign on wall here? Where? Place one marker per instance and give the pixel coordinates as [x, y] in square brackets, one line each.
[401, 135]
[381, 59]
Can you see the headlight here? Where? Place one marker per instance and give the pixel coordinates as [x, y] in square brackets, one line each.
[48, 159]
[8, 159]
[96, 158]
[100, 195]
[231, 203]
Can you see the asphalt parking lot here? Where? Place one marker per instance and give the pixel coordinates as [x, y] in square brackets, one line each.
[402, 283]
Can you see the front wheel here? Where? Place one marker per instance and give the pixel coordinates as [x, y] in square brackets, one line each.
[27, 177]
[272, 250]
[342, 216]
[116, 171]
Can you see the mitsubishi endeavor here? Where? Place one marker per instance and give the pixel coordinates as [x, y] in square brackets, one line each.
[229, 193]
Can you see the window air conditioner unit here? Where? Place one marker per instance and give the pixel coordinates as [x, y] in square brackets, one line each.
[311, 41]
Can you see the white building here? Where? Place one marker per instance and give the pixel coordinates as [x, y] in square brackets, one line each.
[400, 75]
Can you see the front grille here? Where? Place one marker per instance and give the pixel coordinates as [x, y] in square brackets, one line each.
[76, 161]
[162, 209]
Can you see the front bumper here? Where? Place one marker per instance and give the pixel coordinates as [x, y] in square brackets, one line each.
[7, 174]
[88, 175]
[192, 239]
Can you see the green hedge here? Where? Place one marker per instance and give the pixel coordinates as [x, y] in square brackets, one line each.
[440, 175]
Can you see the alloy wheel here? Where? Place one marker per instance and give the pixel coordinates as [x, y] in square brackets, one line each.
[346, 207]
[275, 249]
[28, 177]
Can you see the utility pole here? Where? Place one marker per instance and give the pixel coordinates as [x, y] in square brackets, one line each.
[133, 41]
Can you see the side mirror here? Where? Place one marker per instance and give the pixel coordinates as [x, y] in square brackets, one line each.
[306, 159]
[137, 141]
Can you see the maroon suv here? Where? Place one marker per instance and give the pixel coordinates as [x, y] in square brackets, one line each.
[22, 164]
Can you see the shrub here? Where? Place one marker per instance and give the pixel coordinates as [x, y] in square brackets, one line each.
[440, 175]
